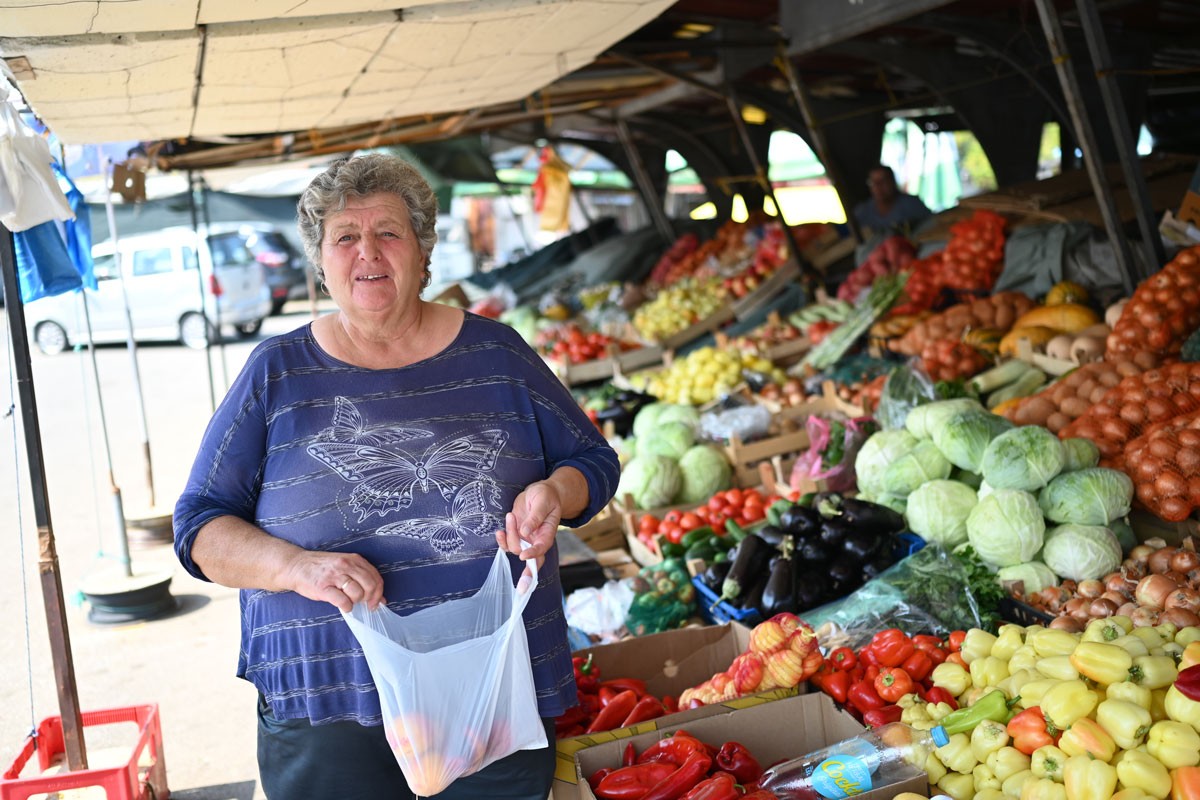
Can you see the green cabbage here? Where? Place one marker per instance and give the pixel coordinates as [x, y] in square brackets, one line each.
[1006, 528]
[893, 501]
[1124, 533]
[1024, 458]
[1080, 453]
[704, 471]
[923, 420]
[938, 512]
[651, 481]
[654, 414]
[670, 439]
[1081, 552]
[876, 454]
[920, 465]
[1092, 496]
[1033, 575]
[972, 479]
[674, 412]
[984, 489]
[964, 437]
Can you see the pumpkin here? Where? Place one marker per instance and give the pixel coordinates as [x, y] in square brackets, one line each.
[1037, 335]
[985, 339]
[1063, 318]
[1066, 292]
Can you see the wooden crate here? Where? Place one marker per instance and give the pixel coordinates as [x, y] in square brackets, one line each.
[787, 273]
[746, 457]
[605, 531]
[698, 329]
[1147, 526]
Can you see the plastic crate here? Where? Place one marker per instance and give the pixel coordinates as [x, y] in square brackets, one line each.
[1011, 609]
[142, 777]
[907, 543]
[719, 613]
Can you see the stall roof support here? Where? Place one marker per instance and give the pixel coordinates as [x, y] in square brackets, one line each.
[645, 185]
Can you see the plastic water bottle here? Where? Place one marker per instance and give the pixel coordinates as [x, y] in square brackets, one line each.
[874, 758]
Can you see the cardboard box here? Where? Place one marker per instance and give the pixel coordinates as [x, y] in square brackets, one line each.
[669, 663]
[789, 728]
[1189, 210]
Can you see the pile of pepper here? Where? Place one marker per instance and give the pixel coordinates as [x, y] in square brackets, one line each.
[682, 767]
[605, 705]
[871, 682]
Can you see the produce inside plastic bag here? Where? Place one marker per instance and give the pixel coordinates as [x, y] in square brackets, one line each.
[455, 681]
[833, 446]
[906, 387]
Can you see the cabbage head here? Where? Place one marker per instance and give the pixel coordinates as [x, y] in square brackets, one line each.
[651, 481]
[670, 439]
[965, 436]
[984, 489]
[1006, 528]
[647, 417]
[920, 465]
[876, 454]
[1081, 552]
[923, 420]
[1025, 458]
[893, 501]
[972, 479]
[1080, 453]
[1124, 533]
[1034, 575]
[654, 414]
[938, 512]
[704, 471]
[1092, 496]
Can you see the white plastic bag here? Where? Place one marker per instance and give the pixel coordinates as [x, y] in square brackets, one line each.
[29, 194]
[455, 681]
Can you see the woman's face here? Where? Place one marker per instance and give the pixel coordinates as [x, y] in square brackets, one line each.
[371, 257]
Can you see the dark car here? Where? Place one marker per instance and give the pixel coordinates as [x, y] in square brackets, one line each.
[282, 263]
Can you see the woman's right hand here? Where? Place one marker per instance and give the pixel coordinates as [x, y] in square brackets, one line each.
[341, 579]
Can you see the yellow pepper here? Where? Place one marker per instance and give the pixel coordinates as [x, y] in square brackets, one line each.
[951, 677]
[1059, 668]
[1088, 779]
[991, 794]
[974, 695]
[1068, 701]
[1132, 645]
[1024, 658]
[977, 644]
[1175, 744]
[956, 754]
[1131, 794]
[1126, 723]
[1191, 654]
[1188, 635]
[983, 778]
[934, 768]
[1182, 709]
[1013, 786]
[1011, 638]
[1043, 789]
[988, 671]
[1015, 682]
[1053, 642]
[1048, 762]
[1154, 672]
[960, 787]
[1086, 737]
[1006, 762]
[1033, 691]
[1103, 663]
[1104, 630]
[1131, 692]
[1173, 650]
[909, 700]
[1152, 637]
[1167, 629]
[915, 714]
[988, 737]
[1138, 770]
[1158, 705]
[938, 710]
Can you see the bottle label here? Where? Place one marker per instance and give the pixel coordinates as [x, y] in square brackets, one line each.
[841, 776]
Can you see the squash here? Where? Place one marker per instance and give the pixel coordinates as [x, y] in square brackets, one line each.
[1064, 318]
[1066, 292]
[1037, 335]
[984, 339]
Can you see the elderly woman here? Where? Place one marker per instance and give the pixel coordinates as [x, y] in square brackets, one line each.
[382, 451]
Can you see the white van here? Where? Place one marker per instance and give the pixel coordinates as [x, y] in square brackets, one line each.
[165, 274]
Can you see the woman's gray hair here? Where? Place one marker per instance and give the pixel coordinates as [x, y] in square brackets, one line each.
[362, 176]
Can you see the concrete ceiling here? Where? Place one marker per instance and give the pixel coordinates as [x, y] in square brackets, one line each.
[120, 70]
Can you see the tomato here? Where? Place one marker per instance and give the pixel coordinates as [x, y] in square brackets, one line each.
[672, 532]
[753, 513]
[718, 502]
[673, 516]
[690, 521]
[717, 522]
[734, 497]
[648, 522]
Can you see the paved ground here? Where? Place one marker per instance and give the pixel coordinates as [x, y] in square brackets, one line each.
[185, 662]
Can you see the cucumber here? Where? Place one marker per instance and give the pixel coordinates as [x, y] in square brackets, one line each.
[1000, 375]
[671, 550]
[1023, 386]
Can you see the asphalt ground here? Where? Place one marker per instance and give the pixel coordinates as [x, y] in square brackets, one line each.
[183, 661]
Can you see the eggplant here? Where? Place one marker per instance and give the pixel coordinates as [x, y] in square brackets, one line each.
[778, 591]
[714, 576]
[860, 545]
[834, 532]
[880, 562]
[752, 554]
[814, 553]
[770, 534]
[800, 520]
[871, 516]
[753, 598]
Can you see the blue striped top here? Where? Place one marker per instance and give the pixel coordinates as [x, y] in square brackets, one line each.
[413, 468]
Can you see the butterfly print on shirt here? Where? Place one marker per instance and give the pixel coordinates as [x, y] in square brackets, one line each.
[386, 474]
[471, 512]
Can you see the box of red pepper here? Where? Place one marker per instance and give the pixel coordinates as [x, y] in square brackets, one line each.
[737, 740]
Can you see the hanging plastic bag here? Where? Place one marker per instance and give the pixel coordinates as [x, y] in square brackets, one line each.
[833, 447]
[25, 172]
[455, 682]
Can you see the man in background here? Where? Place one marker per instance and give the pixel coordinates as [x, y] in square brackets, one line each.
[889, 210]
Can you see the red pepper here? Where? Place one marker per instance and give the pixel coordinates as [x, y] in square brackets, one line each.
[649, 707]
[891, 647]
[632, 783]
[572, 716]
[629, 758]
[612, 714]
[892, 683]
[868, 657]
[682, 780]
[956, 658]
[939, 695]
[734, 758]
[670, 703]
[843, 658]
[954, 641]
[587, 674]
[606, 694]
[567, 733]
[937, 654]
[599, 775]
[721, 786]
[590, 702]
[882, 716]
[673, 750]
[918, 665]
[862, 695]
[1031, 729]
[760, 794]
[870, 673]
[1188, 682]
[837, 686]
[621, 684]
[922, 640]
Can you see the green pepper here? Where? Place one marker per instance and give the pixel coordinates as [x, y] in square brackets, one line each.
[994, 706]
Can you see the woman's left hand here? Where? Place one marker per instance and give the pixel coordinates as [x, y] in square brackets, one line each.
[534, 518]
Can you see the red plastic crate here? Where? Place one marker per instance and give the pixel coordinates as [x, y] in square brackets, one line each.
[126, 782]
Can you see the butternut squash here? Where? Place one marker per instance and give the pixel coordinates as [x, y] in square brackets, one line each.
[985, 339]
[1066, 292]
[1037, 335]
[1064, 318]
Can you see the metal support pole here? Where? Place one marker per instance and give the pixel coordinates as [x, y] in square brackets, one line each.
[48, 569]
[1118, 122]
[800, 95]
[1057, 43]
[212, 384]
[649, 196]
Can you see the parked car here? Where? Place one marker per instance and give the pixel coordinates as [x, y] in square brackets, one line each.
[283, 264]
[176, 290]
